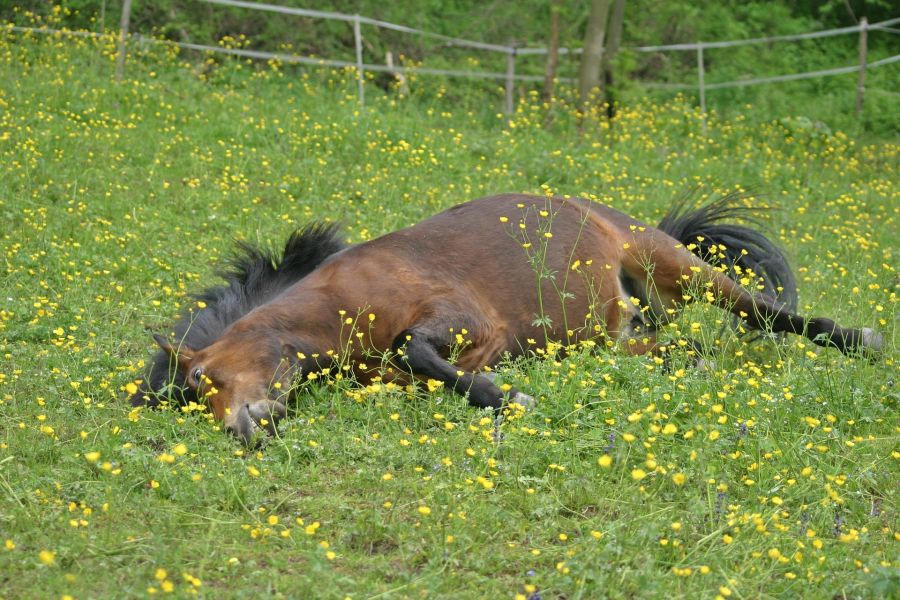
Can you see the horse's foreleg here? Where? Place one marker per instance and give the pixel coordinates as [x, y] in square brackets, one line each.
[419, 353]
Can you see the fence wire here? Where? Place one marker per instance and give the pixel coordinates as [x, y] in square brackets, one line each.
[512, 52]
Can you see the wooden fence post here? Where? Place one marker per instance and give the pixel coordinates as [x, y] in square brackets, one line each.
[360, 75]
[123, 34]
[510, 80]
[861, 81]
[701, 76]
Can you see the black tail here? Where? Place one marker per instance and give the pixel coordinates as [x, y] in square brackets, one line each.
[736, 246]
[252, 277]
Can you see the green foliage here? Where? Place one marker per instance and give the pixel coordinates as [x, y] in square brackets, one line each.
[830, 100]
[768, 475]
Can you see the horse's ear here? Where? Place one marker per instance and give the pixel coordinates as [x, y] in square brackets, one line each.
[294, 358]
[182, 356]
[291, 354]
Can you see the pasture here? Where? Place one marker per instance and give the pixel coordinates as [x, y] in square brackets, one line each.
[771, 474]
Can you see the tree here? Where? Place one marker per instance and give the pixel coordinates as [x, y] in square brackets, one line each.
[552, 51]
[592, 51]
[614, 40]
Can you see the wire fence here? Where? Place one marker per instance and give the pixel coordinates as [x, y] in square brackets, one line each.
[510, 76]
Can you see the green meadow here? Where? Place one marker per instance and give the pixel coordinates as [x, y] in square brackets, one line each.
[771, 474]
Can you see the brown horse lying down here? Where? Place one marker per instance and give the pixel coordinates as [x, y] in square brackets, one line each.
[499, 271]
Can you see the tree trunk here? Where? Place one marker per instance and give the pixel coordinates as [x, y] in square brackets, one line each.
[614, 40]
[592, 52]
[552, 52]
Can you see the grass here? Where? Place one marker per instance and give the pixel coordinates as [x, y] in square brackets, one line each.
[767, 476]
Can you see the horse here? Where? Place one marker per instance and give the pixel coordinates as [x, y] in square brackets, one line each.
[253, 276]
[457, 292]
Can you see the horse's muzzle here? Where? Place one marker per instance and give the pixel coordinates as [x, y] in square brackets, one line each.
[253, 419]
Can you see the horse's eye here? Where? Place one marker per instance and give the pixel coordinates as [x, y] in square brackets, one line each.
[197, 375]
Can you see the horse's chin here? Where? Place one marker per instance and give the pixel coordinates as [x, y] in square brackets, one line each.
[256, 418]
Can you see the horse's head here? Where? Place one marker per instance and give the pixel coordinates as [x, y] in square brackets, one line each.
[244, 380]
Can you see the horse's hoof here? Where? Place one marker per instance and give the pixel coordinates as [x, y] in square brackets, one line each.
[872, 341]
[523, 399]
[703, 365]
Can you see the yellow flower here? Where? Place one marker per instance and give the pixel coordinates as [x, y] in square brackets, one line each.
[638, 474]
[678, 478]
[605, 461]
[47, 557]
[424, 511]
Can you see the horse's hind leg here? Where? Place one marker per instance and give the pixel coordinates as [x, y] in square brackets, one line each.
[418, 349]
[678, 274]
[763, 312]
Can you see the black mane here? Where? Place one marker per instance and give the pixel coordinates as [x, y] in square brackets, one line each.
[252, 278]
